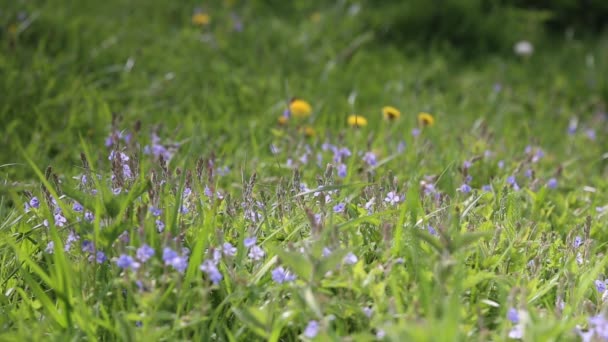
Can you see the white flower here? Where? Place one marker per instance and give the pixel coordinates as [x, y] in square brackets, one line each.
[523, 48]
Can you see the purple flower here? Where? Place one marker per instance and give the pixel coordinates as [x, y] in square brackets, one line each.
[513, 315]
[338, 208]
[368, 311]
[511, 181]
[487, 188]
[88, 216]
[168, 255]
[208, 192]
[34, 203]
[370, 159]
[125, 261]
[228, 249]
[155, 211]
[431, 230]
[88, 246]
[180, 263]
[160, 226]
[212, 271]
[578, 241]
[501, 164]
[552, 183]
[590, 133]
[350, 259]
[392, 198]
[77, 207]
[600, 285]
[466, 164]
[342, 170]
[415, 132]
[60, 221]
[72, 237]
[529, 173]
[256, 253]
[50, 247]
[465, 188]
[401, 147]
[100, 257]
[250, 241]
[117, 191]
[312, 329]
[280, 275]
[326, 252]
[144, 253]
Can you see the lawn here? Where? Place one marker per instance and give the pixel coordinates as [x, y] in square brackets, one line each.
[240, 171]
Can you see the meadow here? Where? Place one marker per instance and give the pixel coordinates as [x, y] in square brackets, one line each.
[267, 171]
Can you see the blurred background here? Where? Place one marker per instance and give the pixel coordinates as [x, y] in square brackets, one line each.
[67, 66]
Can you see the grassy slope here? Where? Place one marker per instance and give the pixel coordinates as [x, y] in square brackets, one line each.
[223, 90]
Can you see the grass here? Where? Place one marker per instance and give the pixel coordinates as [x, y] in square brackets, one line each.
[440, 263]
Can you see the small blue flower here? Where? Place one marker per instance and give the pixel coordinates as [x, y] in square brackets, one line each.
[168, 255]
[280, 275]
[256, 253]
[415, 132]
[350, 259]
[100, 257]
[77, 207]
[431, 230]
[465, 188]
[34, 203]
[312, 329]
[338, 208]
[513, 315]
[228, 249]
[180, 263]
[552, 183]
[326, 252]
[368, 311]
[88, 246]
[342, 170]
[578, 241]
[212, 271]
[88, 216]
[487, 188]
[144, 253]
[392, 198]
[160, 226]
[600, 285]
[60, 221]
[156, 211]
[50, 247]
[370, 158]
[250, 241]
[124, 261]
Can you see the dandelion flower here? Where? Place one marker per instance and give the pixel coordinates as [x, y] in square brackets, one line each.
[308, 131]
[357, 121]
[201, 19]
[299, 108]
[391, 113]
[425, 119]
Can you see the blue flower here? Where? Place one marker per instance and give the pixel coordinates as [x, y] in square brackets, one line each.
[350, 259]
[312, 329]
[552, 183]
[370, 158]
[144, 253]
[338, 208]
[465, 188]
[513, 315]
[124, 261]
[578, 241]
[77, 207]
[34, 202]
[212, 271]
[256, 253]
[341, 170]
[100, 257]
[87, 246]
[88, 216]
[250, 241]
[156, 211]
[168, 255]
[160, 226]
[600, 285]
[228, 249]
[392, 198]
[50, 247]
[280, 275]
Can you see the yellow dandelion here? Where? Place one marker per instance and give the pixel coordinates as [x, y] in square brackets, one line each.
[282, 120]
[308, 131]
[201, 19]
[391, 113]
[425, 119]
[356, 121]
[299, 108]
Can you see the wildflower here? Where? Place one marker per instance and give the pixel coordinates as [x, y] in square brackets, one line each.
[88, 216]
[401, 147]
[217, 255]
[280, 275]
[155, 211]
[60, 221]
[72, 237]
[600, 286]
[326, 252]
[370, 158]
[486, 188]
[598, 327]
[34, 203]
[369, 204]
[380, 334]
[299, 108]
[124, 261]
[415, 132]
[392, 198]
[513, 182]
[513, 315]
[391, 113]
[501, 164]
[342, 170]
[256, 253]
[425, 119]
[144, 253]
[552, 183]
[431, 230]
[578, 241]
[308, 131]
[356, 121]
[350, 259]
[100, 257]
[523, 48]
[168, 255]
[529, 173]
[250, 241]
[180, 263]
[572, 125]
[88, 246]
[160, 226]
[50, 247]
[465, 188]
[228, 249]
[201, 19]
[212, 271]
[368, 311]
[77, 207]
[312, 329]
[117, 191]
[338, 208]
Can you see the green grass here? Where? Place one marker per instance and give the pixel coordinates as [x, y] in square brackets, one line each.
[68, 70]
